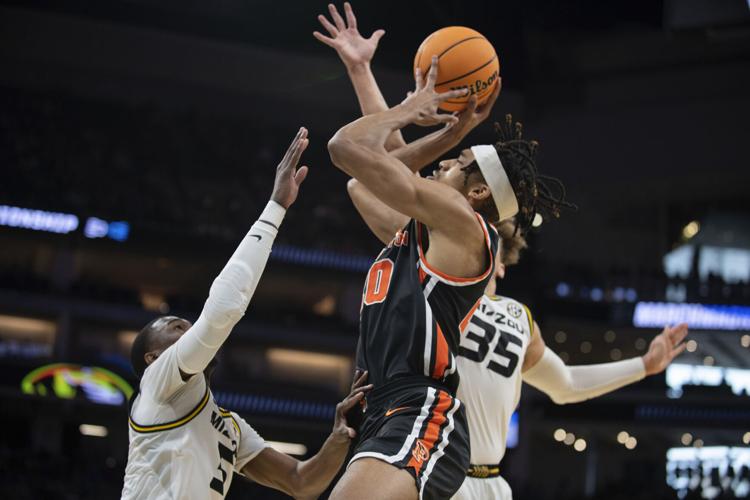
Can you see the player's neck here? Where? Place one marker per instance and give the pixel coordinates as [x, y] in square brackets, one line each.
[491, 287]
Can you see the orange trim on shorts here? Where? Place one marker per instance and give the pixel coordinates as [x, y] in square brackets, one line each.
[418, 458]
[442, 359]
[465, 322]
[423, 259]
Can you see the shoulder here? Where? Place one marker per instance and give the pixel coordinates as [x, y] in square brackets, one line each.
[514, 308]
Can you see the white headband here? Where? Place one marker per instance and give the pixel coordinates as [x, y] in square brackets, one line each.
[494, 173]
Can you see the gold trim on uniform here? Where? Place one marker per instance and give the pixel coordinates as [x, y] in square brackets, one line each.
[531, 319]
[175, 423]
[483, 471]
[228, 414]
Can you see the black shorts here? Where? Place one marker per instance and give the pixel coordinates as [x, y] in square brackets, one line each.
[419, 428]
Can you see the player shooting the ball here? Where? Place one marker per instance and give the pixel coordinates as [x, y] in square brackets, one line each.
[182, 444]
[424, 286]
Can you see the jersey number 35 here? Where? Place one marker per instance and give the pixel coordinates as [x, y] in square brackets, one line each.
[482, 334]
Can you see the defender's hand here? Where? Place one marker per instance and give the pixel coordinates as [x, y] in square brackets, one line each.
[341, 430]
[353, 49]
[664, 348]
[288, 176]
[422, 104]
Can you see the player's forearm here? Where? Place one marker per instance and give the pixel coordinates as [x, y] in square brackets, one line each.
[317, 472]
[418, 154]
[573, 384]
[382, 220]
[230, 293]
[369, 132]
[371, 99]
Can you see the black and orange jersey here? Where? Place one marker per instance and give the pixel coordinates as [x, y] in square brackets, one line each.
[412, 314]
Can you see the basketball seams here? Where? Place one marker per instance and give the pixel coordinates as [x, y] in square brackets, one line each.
[469, 73]
[456, 44]
[452, 61]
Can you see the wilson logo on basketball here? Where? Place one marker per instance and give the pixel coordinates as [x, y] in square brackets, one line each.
[420, 451]
[479, 86]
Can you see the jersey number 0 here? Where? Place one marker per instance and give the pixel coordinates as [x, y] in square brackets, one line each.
[378, 282]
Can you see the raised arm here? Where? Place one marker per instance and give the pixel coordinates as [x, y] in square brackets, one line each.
[232, 290]
[356, 52]
[545, 370]
[359, 150]
[308, 479]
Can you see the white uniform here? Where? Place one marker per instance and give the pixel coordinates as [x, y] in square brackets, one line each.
[182, 444]
[490, 360]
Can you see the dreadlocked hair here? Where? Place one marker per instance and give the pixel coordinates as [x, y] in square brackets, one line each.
[511, 240]
[535, 193]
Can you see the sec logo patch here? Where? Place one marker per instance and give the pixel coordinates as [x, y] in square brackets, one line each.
[515, 310]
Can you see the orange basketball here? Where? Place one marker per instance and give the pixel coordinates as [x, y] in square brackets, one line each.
[466, 59]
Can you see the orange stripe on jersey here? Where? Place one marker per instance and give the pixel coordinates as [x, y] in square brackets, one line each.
[441, 354]
[421, 449]
[467, 318]
[423, 259]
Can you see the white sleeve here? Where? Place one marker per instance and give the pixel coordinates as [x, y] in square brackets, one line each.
[230, 293]
[250, 443]
[162, 378]
[572, 384]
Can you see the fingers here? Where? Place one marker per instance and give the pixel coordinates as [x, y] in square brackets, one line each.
[447, 118]
[452, 94]
[471, 105]
[328, 26]
[432, 74]
[487, 106]
[417, 79]
[337, 19]
[300, 175]
[678, 334]
[299, 144]
[375, 37]
[291, 146]
[678, 350]
[359, 379]
[351, 402]
[322, 38]
[350, 19]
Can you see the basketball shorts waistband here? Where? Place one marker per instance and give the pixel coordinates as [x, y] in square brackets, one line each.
[383, 393]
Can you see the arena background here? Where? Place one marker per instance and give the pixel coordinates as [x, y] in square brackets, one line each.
[138, 141]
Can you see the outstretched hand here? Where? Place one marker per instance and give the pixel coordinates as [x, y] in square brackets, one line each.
[664, 348]
[345, 39]
[341, 429]
[423, 102]
[288, 176]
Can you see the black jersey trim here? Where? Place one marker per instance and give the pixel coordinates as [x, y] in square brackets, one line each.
[145, 429]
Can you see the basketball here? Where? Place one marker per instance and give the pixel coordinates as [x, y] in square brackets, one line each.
[466, 59]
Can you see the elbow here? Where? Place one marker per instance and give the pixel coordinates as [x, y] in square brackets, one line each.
[338, 148]
[343, 152]
[351, 186]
